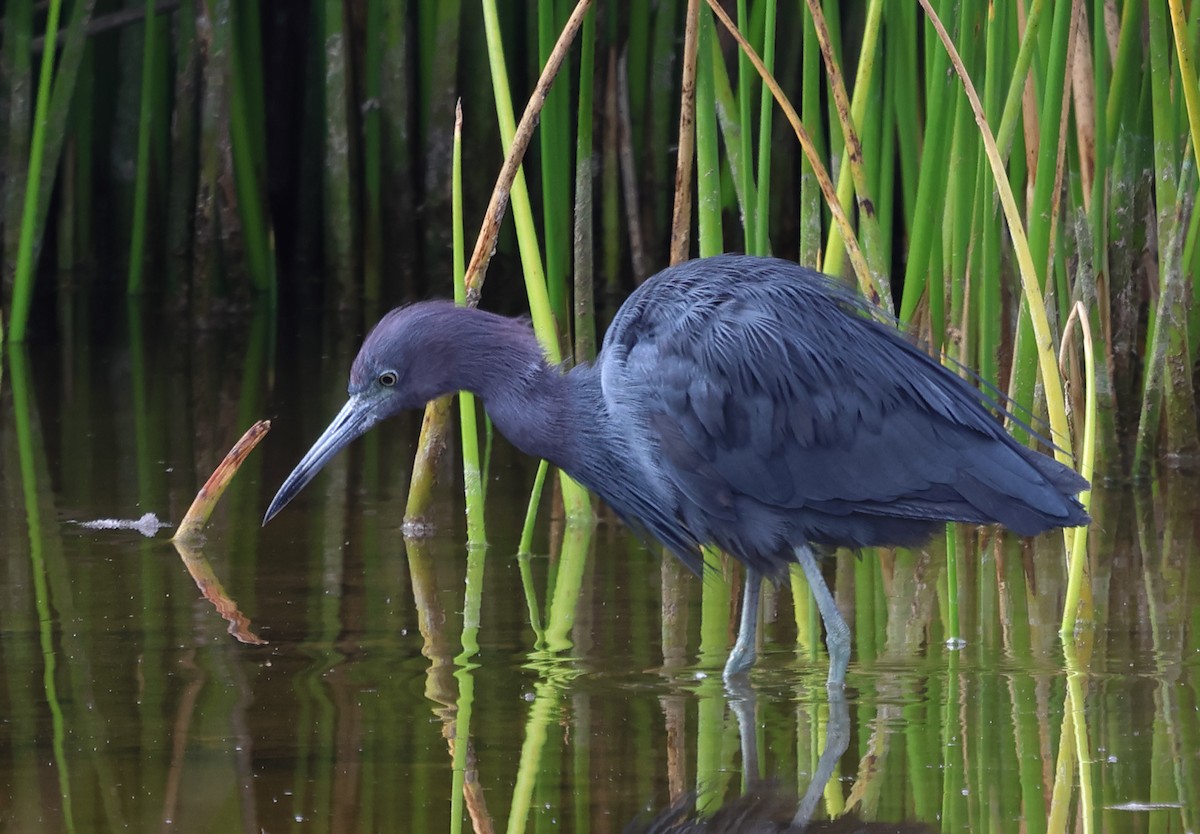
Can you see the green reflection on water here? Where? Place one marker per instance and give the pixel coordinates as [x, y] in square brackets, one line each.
[28, 447]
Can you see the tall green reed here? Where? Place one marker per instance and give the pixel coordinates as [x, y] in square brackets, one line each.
[24, 271]
[142, 185]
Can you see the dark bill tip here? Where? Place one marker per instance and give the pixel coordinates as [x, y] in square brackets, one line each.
[356, 416]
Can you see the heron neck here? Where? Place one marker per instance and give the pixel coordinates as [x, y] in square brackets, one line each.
[538, 407]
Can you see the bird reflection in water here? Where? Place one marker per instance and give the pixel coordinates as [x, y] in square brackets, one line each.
[766, 807]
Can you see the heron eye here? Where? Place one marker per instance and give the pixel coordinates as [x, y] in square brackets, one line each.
[387, 379]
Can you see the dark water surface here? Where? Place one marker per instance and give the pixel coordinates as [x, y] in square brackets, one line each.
[312, 676]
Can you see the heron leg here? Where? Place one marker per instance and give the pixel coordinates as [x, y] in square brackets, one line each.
[837, 633]
[743, 702]
[745, 650]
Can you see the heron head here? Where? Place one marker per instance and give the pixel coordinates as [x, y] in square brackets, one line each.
[397, 368]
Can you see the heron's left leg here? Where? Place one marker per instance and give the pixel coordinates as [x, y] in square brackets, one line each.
[745, 650]
[837, 633]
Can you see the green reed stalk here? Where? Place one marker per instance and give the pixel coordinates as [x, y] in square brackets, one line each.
[1122, 93]
[460, 742]
[931, 183]
[985, 285]
[852, 177]
[472, 479]
[1164, 342]
[438, 25]
[525, 548]
[761, 244]
[953, 588]
[1185, 34]
[476, 555]
[943, 283]
[62, 97]
[868, 281]
[575, 498]
[739, 162]
[750, 216]
[900, 51]
[24, 273]
[708, 163]
[529, 589]
[535, 280]
[830, 43]
[141, 188]
[464, 676]
[1016, 85]
[1187, 68]
[67, 79]
[879, 153]
[1094, 279]
[1078, 568]
[1178, 395]
[866, 646]
[1042, 211]
[554, 137]
[810, 192]
[572, 564]
[1191, 266]
[957, 232]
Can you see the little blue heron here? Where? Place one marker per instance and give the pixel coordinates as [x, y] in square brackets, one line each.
[737, 401]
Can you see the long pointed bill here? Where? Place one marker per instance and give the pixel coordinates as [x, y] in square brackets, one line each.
[356, 416]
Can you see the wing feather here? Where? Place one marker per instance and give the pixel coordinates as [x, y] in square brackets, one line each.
[772, 391]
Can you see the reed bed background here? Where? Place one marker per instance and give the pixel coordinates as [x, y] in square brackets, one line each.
[209, 153]
[206, 152]
[232, 165]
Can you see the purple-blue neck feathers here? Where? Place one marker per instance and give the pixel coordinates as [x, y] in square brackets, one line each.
[436, 348]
